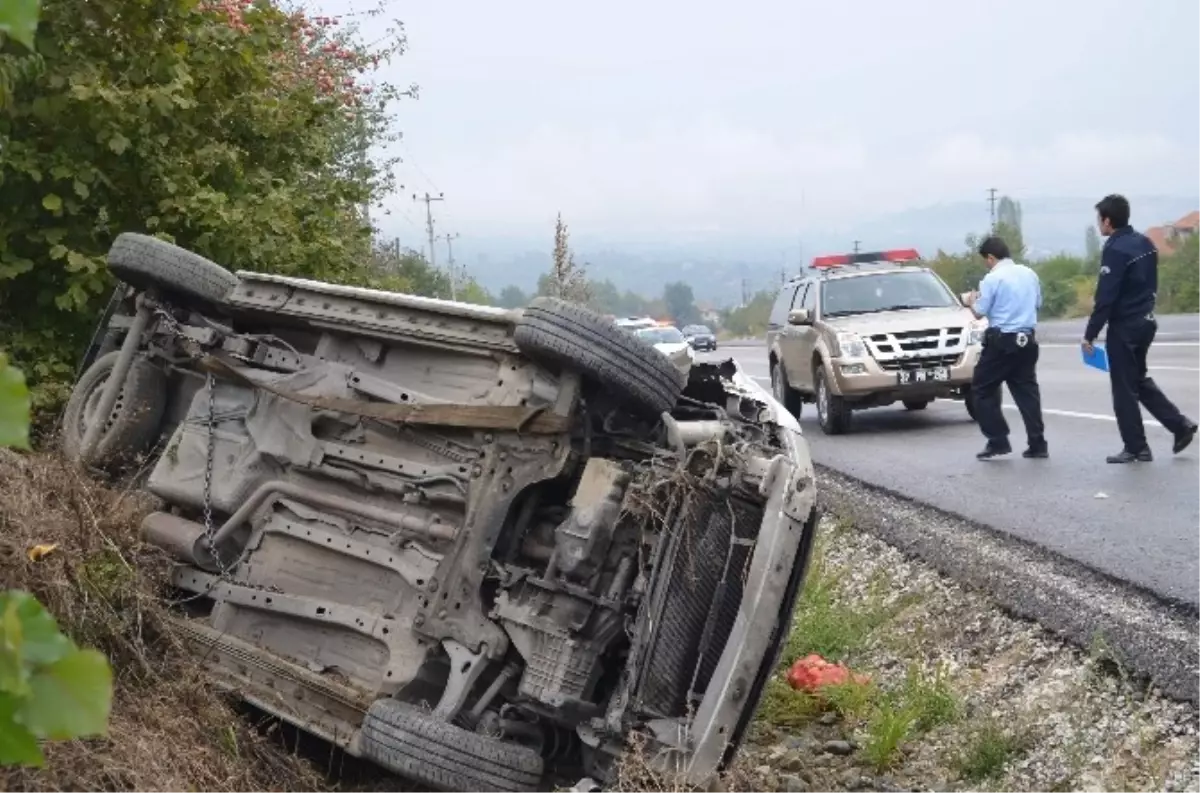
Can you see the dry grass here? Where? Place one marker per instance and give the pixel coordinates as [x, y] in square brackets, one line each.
[168, 730]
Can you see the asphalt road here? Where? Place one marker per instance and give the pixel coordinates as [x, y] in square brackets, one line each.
[1135, 522]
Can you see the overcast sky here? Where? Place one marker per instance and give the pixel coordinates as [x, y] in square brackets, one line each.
[669, 119]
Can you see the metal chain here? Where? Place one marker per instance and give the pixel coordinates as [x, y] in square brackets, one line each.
[210, 455]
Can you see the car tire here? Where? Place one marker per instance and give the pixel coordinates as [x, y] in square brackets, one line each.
[410, 742]
[916, 404]
[145, 262]
[833, 413]
[572, 336]
[783, 391]
[135, 419]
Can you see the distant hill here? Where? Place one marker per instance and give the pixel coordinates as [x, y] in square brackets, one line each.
[716, 268]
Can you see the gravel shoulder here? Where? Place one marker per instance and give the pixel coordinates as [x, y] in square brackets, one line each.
[962, 693]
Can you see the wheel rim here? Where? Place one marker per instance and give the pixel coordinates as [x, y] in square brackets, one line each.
[776, 383]
[822, 398]
[90, 405]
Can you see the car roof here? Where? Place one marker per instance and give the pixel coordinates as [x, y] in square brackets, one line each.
[831, 274]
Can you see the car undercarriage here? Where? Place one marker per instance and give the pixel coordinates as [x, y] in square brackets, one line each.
[481, 548]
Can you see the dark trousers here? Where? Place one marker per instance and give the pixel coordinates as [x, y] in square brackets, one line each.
[1127, 345]
[1003, 362]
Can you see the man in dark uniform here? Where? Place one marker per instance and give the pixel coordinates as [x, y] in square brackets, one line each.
[1125, 294]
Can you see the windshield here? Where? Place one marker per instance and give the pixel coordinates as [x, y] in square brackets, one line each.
[661, 335]
[696, 330]
[865, 294]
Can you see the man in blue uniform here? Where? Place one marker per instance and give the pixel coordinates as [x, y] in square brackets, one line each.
[1009, 296]
[1125, 295]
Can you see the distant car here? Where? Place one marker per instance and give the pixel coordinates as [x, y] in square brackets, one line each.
[635, 323]
[671, 343]
[700, 337]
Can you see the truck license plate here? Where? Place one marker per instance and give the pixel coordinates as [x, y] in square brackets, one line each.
[911, 376]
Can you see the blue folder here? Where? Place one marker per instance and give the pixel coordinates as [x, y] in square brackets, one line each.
[1097, 359]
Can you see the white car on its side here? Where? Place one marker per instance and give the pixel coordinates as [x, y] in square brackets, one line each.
[671, 343]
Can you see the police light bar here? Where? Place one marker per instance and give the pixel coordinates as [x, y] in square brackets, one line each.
[841, 259]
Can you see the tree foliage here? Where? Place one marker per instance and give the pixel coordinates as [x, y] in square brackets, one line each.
[680, 303]
[566, 279]
[235, 128]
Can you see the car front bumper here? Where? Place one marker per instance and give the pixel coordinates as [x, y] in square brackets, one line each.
[866, 379]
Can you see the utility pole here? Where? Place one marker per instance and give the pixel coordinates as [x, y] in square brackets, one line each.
[992, 205]
[856, 244]
[745, 294]
[450, 266]
[428, 199]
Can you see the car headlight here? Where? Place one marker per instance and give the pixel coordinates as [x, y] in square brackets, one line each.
[975, 333]
[850, 345]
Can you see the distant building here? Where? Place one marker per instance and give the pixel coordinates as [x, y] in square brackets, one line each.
[709, 314]
[1170, 236]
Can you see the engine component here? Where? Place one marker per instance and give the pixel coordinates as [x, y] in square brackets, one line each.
[583, 539]
[561, 637]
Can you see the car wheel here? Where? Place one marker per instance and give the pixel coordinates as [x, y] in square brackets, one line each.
[134, 422]
[916, 404]
[410, 742]
[145, 262]
[572, 336]
[833, 413]
[783, 392]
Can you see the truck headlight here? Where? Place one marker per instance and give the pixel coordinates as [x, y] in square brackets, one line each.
[975, 333]
[850, 345]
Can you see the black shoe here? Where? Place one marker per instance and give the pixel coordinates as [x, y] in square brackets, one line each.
[1036, 451]
[1127, 456]
[1184, 439]
[994, 450]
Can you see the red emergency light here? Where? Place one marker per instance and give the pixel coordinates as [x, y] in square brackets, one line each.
[840, 259]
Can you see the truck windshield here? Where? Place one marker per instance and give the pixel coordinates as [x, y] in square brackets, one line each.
[896, 291]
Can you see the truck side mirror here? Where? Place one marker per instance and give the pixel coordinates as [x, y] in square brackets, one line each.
[799, 316]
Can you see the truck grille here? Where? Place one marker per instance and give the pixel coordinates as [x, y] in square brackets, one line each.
[917, 348]
[709, 545]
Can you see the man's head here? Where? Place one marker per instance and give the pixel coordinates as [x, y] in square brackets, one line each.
[993, 250]
[1112, 213]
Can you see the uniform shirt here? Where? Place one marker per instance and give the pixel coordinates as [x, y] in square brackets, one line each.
[1010, 296]
[1128, 280]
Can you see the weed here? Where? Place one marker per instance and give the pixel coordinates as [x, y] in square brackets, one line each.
[930, 697]
[989, 751]
[889, 726]
[785, 708]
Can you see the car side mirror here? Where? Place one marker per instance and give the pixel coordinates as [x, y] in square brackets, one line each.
[799, 316]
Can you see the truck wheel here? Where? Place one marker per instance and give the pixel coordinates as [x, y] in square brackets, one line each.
[134, 422]
[916, 404]
[410, 742]
[832, 411]
[146, 262]
[573, 336]
[783, 392]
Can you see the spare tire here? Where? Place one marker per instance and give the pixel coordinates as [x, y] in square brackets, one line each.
[145, 262]
[410, 742]
[572, 336]
[135, 419]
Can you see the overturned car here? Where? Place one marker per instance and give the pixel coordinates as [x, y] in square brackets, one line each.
[484, 549]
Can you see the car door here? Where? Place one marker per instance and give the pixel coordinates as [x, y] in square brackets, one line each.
[804, 340]
[777, 324]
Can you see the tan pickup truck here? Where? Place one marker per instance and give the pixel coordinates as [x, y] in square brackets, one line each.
[866, 330]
